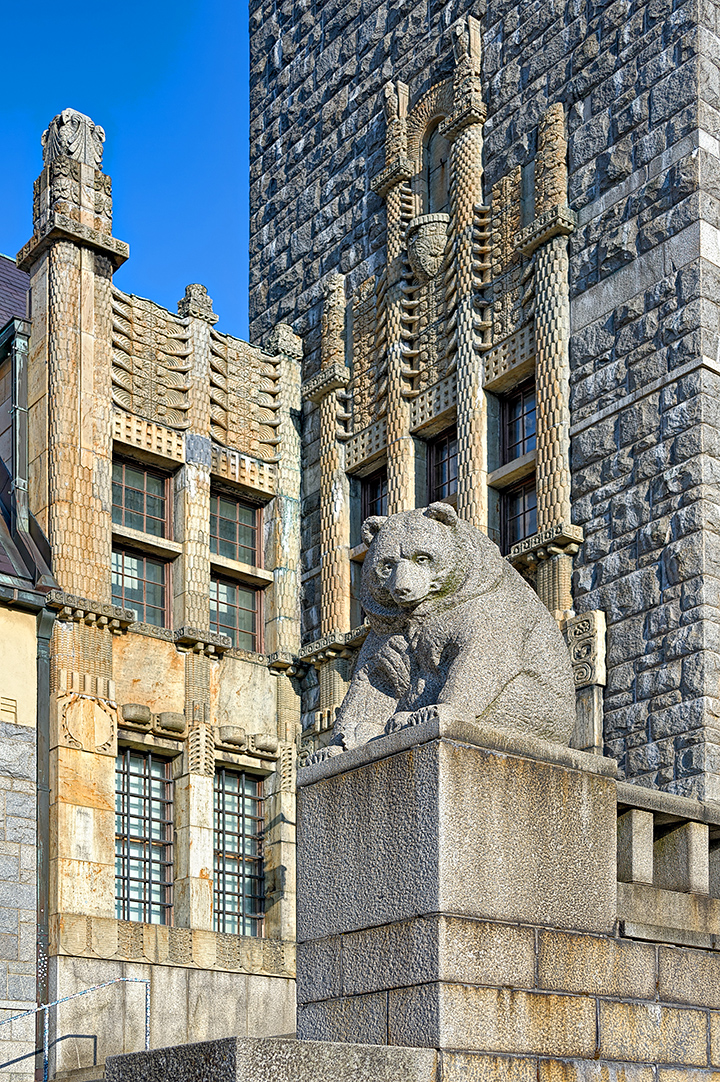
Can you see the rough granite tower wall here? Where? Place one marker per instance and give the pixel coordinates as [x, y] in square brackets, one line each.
[639, 86]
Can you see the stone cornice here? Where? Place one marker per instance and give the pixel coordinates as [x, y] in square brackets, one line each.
[60, 227]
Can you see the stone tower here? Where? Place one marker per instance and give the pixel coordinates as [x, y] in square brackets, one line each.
[494, 226]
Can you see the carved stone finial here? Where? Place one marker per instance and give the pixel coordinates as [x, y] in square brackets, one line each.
[391, 103]
[73, 135]
[282, 339]
[197, 304]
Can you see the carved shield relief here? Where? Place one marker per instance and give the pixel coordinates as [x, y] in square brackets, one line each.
[426, 243]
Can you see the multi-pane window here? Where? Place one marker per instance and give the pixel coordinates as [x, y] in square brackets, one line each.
[234, 611]
[518, 424]
[374, 494]
[238, 892]
[143, 837]
[442, 466]
[139, 498]
[437, 172]
[234, 529]
[138, 583]
[519, 506]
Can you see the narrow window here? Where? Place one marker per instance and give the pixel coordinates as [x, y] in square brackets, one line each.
[519, 519]
[143, 837]
[374, 494]
[442, 466]
[239, 888]
[518, 422]
[234, 530]
[139, 583]
[235, 611]
[139, 498]
[437, 173]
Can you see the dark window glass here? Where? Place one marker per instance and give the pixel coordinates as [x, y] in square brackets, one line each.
[143, 837]
[138, 583]
[519, 513]
[519, 423]
[234, 612]
[239, 889]
[437, 169]
[233, 530]
[374, 494]
[442, 465]
[139, 499]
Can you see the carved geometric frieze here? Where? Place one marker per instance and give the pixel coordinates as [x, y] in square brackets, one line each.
[252, 472]
[366, 444]
[509, 359]
[148, 436]
[585, 635]
[433, 402]
[151, 361]
[244, 397]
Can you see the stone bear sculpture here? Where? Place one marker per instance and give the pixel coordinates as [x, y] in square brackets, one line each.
[454, 630]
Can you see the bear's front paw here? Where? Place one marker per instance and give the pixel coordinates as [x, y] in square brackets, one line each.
[398, 721]
[322, 754]
[426, 713]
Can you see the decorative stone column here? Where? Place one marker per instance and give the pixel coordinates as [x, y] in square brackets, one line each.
[556, 542]
[463, 129]
[392, 184]
[70, 259]
[334, 489]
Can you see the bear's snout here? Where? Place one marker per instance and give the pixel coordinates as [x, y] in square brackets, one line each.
[408, 583]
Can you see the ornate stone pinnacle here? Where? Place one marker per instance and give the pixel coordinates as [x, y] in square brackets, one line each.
[73, 135]
[197, 304]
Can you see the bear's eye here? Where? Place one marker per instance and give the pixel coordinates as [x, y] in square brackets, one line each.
[423, 558]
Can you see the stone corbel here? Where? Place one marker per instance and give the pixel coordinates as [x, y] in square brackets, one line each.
[558, 221]
[562, 539]
[333, 377]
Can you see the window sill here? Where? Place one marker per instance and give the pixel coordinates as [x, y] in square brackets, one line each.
[513, 471]
[255, 576]
[145, 542]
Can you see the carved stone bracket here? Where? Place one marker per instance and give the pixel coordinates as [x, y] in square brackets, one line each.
[333, 645]
[332, 378]
[81, 609]
[474, 112]
[393, 173]
[562, 538]
[585, 635]
[203, 642]
[558, 221]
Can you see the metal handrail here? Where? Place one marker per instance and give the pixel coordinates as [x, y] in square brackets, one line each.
[96, 987]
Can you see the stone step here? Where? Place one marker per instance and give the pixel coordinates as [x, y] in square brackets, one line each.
[82, 1074]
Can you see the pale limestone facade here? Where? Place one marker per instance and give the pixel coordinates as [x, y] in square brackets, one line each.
[150, 663]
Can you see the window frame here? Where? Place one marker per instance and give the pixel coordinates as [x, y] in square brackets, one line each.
[135, 553]
[505, 496]
[153, 471]
[221, 916]
[518, 392]
[366, 501]
[258, 593]
[123, 899]
[445, 436]
[257, 509]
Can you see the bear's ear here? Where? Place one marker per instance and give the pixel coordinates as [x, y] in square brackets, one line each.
[370, 527]
[443, 512]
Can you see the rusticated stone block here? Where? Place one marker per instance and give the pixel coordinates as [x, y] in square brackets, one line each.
[595, 966]
[553, 1070]
[474, 1067]
[492, 1020]
[648, 1033]
[358, 1019]
[689, 976]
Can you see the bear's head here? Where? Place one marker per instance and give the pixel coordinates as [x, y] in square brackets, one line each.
[424, 560]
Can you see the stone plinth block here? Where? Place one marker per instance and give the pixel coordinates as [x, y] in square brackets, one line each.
[462, 821]
[275, 1060]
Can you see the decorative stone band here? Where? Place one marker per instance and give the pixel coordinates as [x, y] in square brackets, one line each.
[60, 227]
[364, 445]
[558, 221]
[332, 378]
[551, 541]
[333, 645]
[81, 609]
[585, 636]
[474, 112]
[394, 173]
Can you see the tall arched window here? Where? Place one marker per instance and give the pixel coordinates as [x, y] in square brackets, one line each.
[437, 173]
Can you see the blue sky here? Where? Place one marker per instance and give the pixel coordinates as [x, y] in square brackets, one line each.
[168, 83]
